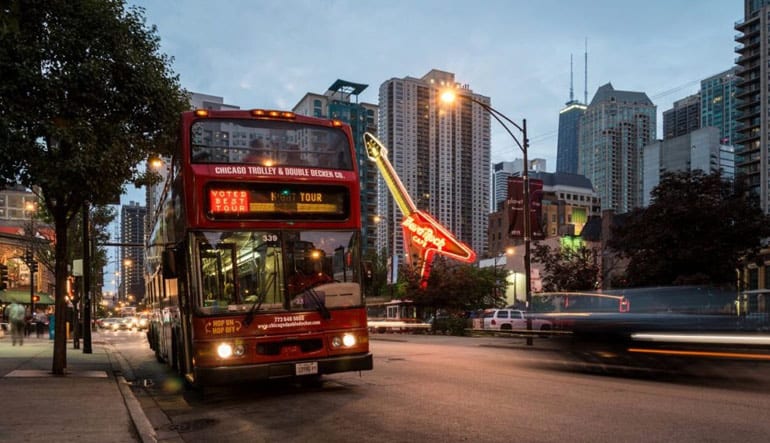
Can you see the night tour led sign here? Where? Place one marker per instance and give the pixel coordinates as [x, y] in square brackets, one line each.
[423, 235]
[277, 201]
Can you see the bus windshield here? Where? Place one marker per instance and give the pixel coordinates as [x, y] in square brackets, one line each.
[275, 270]
[269, 143]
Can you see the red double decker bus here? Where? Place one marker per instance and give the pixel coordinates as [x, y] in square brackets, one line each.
[253, 265]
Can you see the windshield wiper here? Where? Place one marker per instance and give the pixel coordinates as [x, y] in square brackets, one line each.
[258, 302]
[321, 306]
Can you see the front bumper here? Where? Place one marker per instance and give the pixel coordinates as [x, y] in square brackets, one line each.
[226, 375]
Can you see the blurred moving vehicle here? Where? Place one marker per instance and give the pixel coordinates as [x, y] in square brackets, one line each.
[109, 323]
[128, 323]
[142, 321]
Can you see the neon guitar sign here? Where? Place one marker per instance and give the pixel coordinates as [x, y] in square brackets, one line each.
[423, 235]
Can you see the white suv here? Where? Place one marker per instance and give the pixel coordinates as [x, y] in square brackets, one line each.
[508, 319]
[505, 319]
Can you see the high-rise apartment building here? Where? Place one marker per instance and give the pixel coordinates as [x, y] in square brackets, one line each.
[752, 158]
[683, 118]
[719, 106]
[441, 152]
[340, 102]
[132, 232]
[613, 131]
[567, 145]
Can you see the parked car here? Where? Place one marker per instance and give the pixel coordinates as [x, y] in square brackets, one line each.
[509, 319]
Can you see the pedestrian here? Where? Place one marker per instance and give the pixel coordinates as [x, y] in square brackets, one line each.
[16, 316]
[41, 323]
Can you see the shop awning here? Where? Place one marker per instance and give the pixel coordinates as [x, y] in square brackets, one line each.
[22, 297]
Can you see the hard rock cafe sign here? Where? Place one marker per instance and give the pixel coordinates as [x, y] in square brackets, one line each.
[423, 235]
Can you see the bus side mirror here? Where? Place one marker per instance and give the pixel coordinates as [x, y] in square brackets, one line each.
[168, 262]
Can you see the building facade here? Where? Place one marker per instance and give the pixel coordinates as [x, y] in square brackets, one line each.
[340, 102]
[569, 137]
[613, 132]
[719, 105]
[698, 150]
[753, 94]
[23, 235]
[500, 173]
[132, 233]
[441, 152]
[683, 118]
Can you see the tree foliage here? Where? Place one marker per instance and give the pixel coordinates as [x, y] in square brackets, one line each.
[85, 96]
[567, 268]
[379, 267]
[697, 229]
[455, 287]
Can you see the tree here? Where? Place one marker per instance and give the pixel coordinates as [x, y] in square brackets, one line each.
[567, 268]
[455, 287]
[697, 229]
[379, 266]
[85, 97]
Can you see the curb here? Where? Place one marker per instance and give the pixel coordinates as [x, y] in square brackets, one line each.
[142, 424]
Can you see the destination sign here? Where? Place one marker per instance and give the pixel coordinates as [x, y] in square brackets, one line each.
[277, 201]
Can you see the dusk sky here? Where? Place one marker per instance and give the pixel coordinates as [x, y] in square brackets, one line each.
[268, 54]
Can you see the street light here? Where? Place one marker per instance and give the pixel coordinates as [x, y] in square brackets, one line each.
[449, 96]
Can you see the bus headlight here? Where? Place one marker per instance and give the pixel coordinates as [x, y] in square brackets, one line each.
[347, 340]
[225, 350]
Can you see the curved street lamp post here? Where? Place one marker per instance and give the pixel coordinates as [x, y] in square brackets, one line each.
[449, 96]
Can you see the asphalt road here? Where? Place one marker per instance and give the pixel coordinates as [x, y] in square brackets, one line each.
[454, 389]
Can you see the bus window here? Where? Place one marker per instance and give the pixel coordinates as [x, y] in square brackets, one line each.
[216, 263]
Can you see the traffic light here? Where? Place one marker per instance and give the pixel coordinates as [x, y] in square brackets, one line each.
[33, 266]
[28, 258]
[35, 298]
[3, 277]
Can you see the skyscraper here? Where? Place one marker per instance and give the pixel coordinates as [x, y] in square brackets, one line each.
[338, 103]
[569, 126]
[567, 147]
[613, 131]
[719, 105]
[441, 153]
[132, 229]
[751, 156]
[683, 118]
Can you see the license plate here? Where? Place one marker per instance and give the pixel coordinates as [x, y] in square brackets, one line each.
[308, 368]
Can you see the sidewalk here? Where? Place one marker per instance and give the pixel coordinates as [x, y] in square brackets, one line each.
[92, 403]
